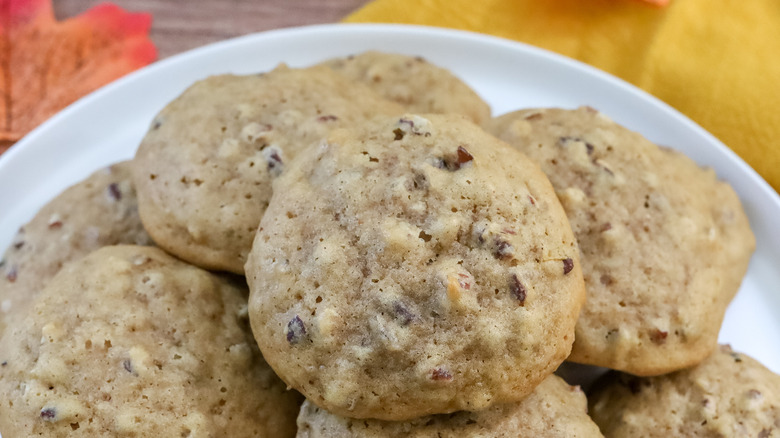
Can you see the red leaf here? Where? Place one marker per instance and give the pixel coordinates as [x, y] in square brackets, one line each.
[46, 65]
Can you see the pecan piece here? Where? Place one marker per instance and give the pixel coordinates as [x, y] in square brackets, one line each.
[404, 315]
[114, 192]
[503, 250]
[49, 414]
[127, 364]
[296, 330]
[568, 265]
[517, 290]
[441, 374]
[658, 336]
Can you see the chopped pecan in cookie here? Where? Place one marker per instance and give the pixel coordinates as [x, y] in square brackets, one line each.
[517, 290]
[296, 330]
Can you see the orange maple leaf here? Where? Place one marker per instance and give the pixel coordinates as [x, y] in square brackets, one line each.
[659, 3]
[45, 65]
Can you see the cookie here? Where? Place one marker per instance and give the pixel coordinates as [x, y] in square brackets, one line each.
[413, 82]
[664, 243]
[413, 266]
[101, 210]
[554, 409]
[129, 341]
[204, 169]
[727, 395]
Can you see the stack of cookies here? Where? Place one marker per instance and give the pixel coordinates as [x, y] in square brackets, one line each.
[356, 249]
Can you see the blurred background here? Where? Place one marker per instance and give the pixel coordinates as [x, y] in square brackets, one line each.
[181, 25]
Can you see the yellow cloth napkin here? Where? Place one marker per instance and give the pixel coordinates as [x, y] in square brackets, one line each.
[716, 61]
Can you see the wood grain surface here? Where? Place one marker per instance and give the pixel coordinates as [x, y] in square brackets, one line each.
[180, 25]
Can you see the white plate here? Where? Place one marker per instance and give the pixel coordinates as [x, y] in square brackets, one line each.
[107, 125]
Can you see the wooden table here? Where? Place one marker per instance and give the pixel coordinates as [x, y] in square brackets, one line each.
[180, 25]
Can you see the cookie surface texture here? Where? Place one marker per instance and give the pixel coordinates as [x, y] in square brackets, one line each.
[664, 244]
[99, 211]
[553, 410]
[418, 85]
[414, 266]
[130, 342]
[727, 395]
[204, 169]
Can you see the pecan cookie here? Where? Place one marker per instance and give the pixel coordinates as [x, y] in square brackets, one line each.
[414, 266]
[99, 211]
[553, 410]
[664, 243]
[204, 169]
[727, 395]
[415, 83]
[129, 341]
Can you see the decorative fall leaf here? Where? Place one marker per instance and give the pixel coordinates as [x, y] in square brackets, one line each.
[45, 65]
[659, 3]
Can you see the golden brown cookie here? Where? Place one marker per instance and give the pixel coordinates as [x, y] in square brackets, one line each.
[130, 342]
[413, 266]
[205, 168]
[664, 243]
[727, 395]
[99, 211]
[553, 410]
[418, 85]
